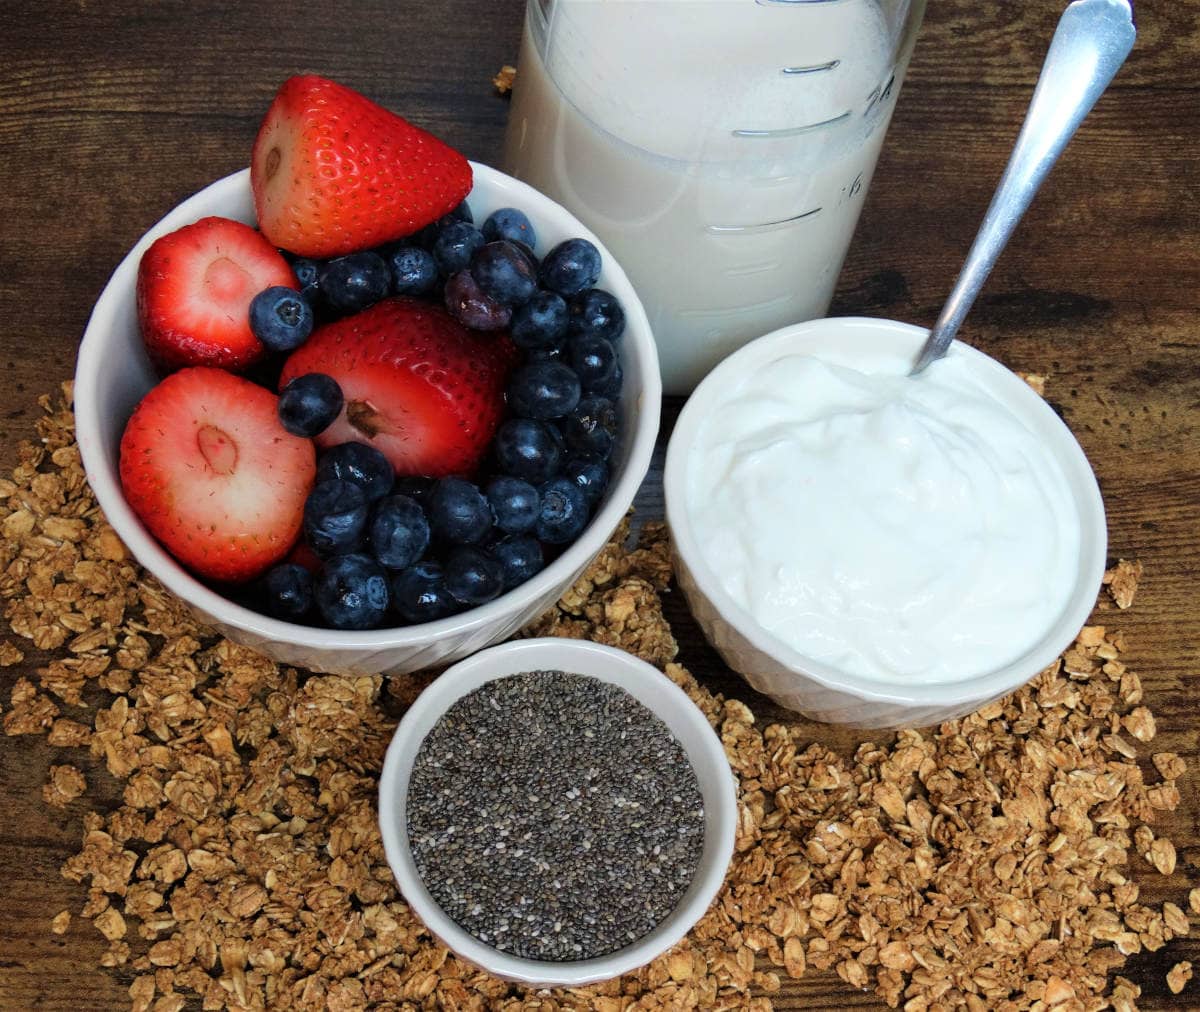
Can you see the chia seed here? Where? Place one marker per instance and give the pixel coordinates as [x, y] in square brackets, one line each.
[554, 817]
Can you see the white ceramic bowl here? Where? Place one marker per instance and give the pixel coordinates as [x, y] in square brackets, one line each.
[113, 373]
[811, 687]
[658, 694]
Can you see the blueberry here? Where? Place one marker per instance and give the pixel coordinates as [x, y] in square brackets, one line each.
[352, 592]
[558, 354]
[399, 532]
[504, 273]
[468, 304]
[288, 591]
[462, 213]
[459, 512]
[543, 389]
[335, 517]
[564, 512]
[309, 404]
[416, 487]
[571, 267]
[525, 248]
[424, 237]
[594, 360]
[419, 593]
[515, 504]
[541, 322]
[520, 557]
[590, 473]
[509, 223]
[281, 318]
[611, 388]
[453, 243]
[527, 449]
[591, 427]
[362, 464]
[308, 275]
[596, 313]
[413, 269]
[473, 576]
[355, 281]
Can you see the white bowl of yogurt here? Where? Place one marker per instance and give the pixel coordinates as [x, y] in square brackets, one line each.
[874, 549]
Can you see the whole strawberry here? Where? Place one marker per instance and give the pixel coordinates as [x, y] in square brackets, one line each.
[419, 386]
[333, 172]
[212, 474]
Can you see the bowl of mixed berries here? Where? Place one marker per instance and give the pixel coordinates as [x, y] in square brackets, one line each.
[365, 405]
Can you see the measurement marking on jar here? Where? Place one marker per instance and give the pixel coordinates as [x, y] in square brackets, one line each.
[792, 131]
[761, 227]
[733, 312]
[880, 94]
[749, 270]
[816, 68]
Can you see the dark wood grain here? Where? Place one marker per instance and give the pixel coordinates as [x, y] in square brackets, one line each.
[112, 112]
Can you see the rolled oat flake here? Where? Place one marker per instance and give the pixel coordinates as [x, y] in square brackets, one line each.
[553, 816]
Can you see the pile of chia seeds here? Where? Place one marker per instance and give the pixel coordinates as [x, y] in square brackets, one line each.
[554, 817]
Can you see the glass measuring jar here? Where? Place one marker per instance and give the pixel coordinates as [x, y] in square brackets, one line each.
[721, 149]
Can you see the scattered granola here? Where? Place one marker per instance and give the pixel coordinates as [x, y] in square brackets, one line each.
[61, 922]
[984, 864]
[1122, 581]
[29, 711]
[1037, 381]
[503, 81]
[1162, 856]
[1178, 977]
[66, 783]
[1175, 919]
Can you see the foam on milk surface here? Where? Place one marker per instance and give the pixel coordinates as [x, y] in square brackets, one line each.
[895, 528]
[631, 124]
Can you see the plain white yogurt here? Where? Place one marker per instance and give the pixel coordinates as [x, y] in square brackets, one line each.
[899, 529]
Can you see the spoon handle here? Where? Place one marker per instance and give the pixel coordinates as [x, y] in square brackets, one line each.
[1090, 44]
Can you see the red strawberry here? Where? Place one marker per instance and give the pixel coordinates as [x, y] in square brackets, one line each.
[194, 289]
[418, 385]
[210, 471]
[333, 172]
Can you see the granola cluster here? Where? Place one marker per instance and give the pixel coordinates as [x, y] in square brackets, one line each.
[988, 864]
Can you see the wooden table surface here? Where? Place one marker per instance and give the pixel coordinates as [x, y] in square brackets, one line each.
[111, 112]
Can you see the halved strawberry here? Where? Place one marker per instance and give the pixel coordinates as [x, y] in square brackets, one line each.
[194, 289]
[214, 476]
[419, 386]
[333, 172]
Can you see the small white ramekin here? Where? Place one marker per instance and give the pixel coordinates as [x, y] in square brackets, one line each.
[113, 373]
[817, 689]
[654, 691]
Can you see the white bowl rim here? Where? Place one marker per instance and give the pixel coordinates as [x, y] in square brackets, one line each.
[943, 695]
[492, 663]
[183, 584]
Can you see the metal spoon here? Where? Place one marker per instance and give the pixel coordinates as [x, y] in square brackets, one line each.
[1090, 44]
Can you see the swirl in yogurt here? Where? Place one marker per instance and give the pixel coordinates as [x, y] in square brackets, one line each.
[899, 529]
